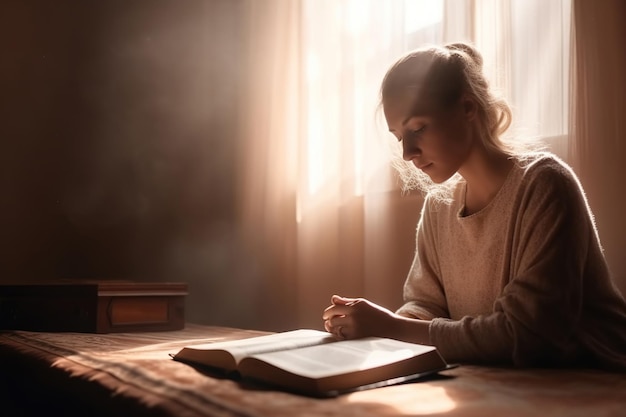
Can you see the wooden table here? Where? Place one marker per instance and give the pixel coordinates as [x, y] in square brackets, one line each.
[131, 374]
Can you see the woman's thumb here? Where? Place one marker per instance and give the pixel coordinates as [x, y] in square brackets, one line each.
[337, 299]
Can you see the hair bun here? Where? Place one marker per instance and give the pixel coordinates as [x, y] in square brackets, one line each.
[469, 50]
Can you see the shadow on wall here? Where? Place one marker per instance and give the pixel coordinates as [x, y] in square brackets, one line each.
[118, 146]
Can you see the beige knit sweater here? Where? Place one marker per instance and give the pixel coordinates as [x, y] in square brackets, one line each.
[523, 281]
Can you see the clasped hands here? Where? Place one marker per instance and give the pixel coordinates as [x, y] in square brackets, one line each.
[353, 318]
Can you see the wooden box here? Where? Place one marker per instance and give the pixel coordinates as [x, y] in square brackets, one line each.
[93, 306]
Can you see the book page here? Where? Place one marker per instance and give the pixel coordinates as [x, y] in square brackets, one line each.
[343, 357]
[270, 343]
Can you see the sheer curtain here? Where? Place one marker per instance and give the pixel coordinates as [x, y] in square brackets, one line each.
[268, 142]
[321, 211]
[525, 45]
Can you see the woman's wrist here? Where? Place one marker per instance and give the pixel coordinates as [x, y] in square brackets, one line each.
[410, 330]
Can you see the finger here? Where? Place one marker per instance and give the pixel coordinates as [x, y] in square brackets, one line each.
[333, 310]
[339, 300]
[337, 321]
[328, 311]
[327, 326]
[336, 311]
[340, 333]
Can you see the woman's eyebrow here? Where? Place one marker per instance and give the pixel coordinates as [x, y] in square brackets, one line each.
[407, 120]
[404, 122]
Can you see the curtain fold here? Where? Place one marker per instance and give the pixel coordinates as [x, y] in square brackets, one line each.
[268, 157]
[597, 145]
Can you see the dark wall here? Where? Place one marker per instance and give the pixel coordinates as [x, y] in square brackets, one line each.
[117, 129]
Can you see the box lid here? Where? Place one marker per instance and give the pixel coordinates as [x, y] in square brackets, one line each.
[101, 288]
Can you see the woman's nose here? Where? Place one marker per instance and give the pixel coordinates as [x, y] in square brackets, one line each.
[409, 150]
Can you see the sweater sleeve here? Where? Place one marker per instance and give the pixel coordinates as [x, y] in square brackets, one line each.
[424, 297]
[535, 318]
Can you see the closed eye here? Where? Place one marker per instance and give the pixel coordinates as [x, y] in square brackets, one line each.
[420, 130]
[414, 133]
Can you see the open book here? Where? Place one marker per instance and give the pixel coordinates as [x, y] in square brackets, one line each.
[312, 362]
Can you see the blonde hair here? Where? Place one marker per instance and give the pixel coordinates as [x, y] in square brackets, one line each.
[435, 78]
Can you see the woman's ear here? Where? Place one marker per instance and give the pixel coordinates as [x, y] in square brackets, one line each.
[470, 108]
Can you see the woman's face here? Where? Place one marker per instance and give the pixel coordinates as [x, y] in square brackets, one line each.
[438, 143]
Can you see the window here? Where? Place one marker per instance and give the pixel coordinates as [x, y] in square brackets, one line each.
[347, 46]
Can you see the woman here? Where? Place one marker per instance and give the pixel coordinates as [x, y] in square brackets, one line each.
[508, 266]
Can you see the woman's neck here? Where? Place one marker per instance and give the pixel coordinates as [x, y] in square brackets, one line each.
[484, 172]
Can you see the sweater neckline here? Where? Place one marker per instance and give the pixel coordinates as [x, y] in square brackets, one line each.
[487, 208]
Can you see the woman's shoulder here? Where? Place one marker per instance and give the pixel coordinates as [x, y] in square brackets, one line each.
[546, 170]
[538, 160]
